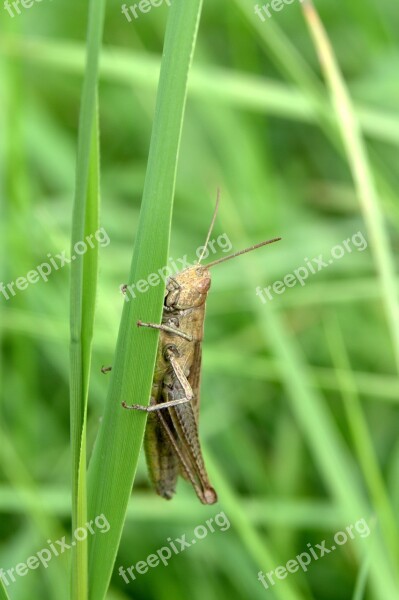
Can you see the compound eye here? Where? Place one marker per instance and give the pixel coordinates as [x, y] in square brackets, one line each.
[199, 271]
[204, 284]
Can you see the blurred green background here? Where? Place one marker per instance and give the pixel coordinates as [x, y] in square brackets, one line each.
[299, 396]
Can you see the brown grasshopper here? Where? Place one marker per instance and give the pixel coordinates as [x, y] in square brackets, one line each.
[171, 440]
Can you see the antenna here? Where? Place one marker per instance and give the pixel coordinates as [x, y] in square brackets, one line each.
[220, 260]
[211, 227]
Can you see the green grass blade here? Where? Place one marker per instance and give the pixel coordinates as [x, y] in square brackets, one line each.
[306, 104]
[83, 289]
[3, 593]
[116, 452]
[361, 582]
[258, 546]
[362, 441]
[359, 164]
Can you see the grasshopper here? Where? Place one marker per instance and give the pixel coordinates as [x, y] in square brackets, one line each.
[171, 441]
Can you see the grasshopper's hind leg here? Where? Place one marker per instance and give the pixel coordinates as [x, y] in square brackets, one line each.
[178, 374]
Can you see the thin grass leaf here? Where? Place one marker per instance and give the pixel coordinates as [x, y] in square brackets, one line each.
[83, 290]
[361, 438]
[359, 164]
[257, 546]
[308, 104]
[118, 444]
[291, 513]
[3, 593]
[359, 592]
